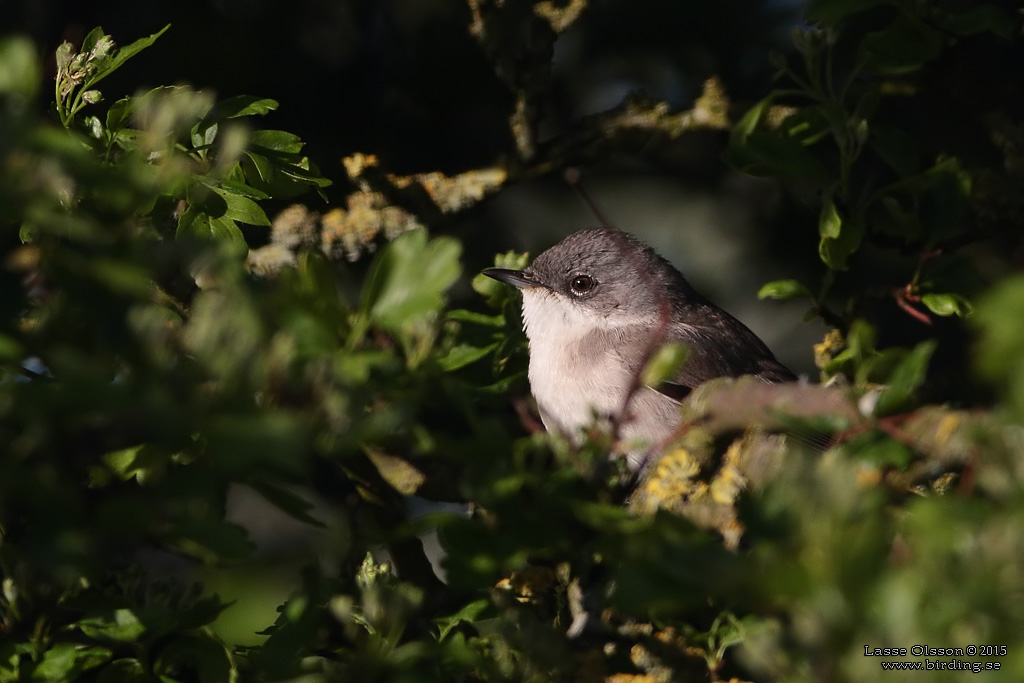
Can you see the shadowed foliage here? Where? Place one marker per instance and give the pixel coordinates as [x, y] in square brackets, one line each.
[244, 395]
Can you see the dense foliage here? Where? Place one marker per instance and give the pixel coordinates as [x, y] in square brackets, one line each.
[166, 347]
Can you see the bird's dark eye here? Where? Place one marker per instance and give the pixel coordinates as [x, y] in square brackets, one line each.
[581, 284]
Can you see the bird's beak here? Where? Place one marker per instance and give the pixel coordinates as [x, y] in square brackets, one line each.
[516, 278]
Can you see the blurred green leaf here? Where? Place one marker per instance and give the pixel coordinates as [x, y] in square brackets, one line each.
[121, 625]
[808, 125]
[496, 293]
[475, 318]
[902, 47]
[783, 289]
[67, 661]
[881, 450]
[469, 613]
[243, 442]
[948, 304]
[830, 224]
[19, 71]
[906, 378]
[664, 364]
[749, 122]
[198, 225]
[10, 350]
[462, 355]
[1001, 337]
[124, 671]
[401, 475]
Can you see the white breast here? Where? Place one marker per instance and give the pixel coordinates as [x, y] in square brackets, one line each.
[573, 379]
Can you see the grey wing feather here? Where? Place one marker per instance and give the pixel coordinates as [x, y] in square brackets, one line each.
[722, 347]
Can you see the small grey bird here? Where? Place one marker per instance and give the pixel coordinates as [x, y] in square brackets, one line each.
[594, 307]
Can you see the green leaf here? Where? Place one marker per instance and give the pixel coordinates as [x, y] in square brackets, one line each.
[92, 38]
[880, 449]
[908, 375]
[242, 209]
[122, 277]
[948, 304]
[20, 72]
[464, 316]
[264, 170]
[277, 141]
[664, 364]
[1000, 328]
[839, 238]
[808, 125]
[243, 105]
[66, 661]
[244, 442]
[240, 188]
[120, 113]
[124, 671]
[121, 56]
[198, 225]
[765, 152]
[226, 230]
[10, 349]
[462, 355]
[830, 224]
[901, 48]
[122, 625]
[496, 293]
[408, 278]
[469, 613]
[749, 122]
[300, 173]
[402, 476]
[143, 462]
[784, 289]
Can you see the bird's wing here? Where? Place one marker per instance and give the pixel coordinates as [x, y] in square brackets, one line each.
[724, 348]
